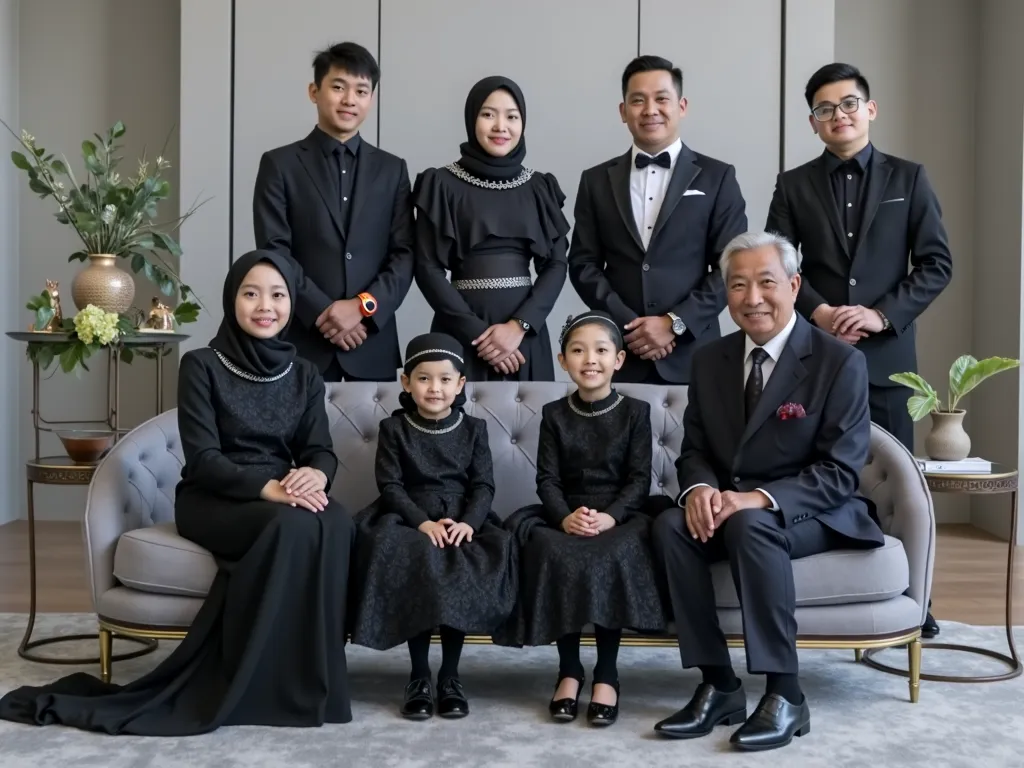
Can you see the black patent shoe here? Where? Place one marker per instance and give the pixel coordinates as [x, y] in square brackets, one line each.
[451, 699]
[603, 714]
[930, 628]
[419, 700]
[565, 710]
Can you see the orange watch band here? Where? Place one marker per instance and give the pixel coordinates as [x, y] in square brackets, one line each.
[367, 304]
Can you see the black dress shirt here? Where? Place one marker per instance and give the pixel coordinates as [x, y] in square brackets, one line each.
[342, 163]
[849, 180]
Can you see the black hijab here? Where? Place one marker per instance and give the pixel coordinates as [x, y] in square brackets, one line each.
[429, 348]
[475, 159]
[262, 357]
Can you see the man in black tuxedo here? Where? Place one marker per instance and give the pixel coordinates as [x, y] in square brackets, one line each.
[650, 227]
[776, 433]
[341, 209]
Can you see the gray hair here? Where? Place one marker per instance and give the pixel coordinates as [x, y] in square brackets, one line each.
[748, 241]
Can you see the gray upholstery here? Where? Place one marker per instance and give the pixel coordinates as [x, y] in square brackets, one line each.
[144, 574]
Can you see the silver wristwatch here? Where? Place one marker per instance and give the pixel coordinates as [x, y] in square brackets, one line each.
[678, 326]
[522, 324]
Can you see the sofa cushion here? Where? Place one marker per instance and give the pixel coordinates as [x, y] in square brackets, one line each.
[839, 577]
[157, 559]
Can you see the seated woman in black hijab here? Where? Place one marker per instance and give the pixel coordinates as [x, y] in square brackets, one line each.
[485, 217]
[268, 646]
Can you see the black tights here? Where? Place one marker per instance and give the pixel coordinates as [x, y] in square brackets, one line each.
[451, 651]
[605, 671]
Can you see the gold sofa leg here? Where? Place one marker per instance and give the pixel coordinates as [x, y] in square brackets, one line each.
[106, 651]
[914, 650]
[858, 654]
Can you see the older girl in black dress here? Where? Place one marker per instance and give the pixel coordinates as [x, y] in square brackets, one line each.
[267, 646]
[485, 217]
[584, 556]
[430, 552]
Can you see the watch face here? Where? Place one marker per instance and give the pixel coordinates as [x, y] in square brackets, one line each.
[370, 304]
[678, 326]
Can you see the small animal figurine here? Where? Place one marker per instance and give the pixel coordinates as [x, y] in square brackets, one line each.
[57, 321]
[161, 317]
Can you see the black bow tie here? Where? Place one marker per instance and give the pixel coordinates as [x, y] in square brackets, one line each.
[664, 160]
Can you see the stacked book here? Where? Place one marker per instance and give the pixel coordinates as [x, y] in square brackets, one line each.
[971, 466]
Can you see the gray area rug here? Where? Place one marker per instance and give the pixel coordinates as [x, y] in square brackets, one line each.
[859, 716]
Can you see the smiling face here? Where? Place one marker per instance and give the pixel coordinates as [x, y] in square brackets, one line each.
[434, 386]
[262, 304]
[591, 358]
[841, 116]
[499, 124]
[343, 101]
[652, 109]
[761, 295]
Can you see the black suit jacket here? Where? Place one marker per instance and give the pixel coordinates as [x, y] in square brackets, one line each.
[811, 466]
[901, 217]
[296, 211]
[678, 272]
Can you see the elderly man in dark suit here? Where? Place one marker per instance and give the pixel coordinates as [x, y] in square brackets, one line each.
[650, 227]
[777, 428]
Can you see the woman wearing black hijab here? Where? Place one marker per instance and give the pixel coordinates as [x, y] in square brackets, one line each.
[267, 647]
[485, 217]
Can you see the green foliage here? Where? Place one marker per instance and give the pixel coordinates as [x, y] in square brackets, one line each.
[965, 374]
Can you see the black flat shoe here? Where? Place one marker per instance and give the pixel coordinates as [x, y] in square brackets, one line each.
[774, 724]
[565, 710]
[603, 714]
[419, 700]
[451, 699]
[708, 707]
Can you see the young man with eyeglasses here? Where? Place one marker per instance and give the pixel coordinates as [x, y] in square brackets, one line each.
[856, 214]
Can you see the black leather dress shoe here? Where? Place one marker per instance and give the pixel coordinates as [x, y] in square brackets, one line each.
[774, 724]
[419, 700]
[451, 699]
[930, 628]
[603, 714]
[565, 710]
[708, 707]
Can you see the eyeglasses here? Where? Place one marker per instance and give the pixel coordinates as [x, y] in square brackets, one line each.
[824, 112]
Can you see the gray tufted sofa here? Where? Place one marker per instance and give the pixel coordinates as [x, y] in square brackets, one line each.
[148, 582]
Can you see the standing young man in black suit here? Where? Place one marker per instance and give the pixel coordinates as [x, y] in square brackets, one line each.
[857, 214]
[760, 490]
[340, 208]
[650, 227]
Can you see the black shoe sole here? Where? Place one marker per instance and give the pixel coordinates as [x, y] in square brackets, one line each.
[416, 716]
[765, 747]
[453, 715]
[733, 718]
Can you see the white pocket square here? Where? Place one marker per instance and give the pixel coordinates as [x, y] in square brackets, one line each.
[692, 192]
[894, 200]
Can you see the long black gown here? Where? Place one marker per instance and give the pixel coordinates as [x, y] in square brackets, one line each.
[487, 238]
[403, 585]
[596, 455]
[268, 645]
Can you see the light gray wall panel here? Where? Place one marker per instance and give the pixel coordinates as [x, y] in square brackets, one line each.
[274, 49]
[566, 56]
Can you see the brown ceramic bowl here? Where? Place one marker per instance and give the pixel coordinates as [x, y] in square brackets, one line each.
[86, 446]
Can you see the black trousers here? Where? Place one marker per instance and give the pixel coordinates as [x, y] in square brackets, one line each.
[335, 373]
[759, 550]
[889, 411]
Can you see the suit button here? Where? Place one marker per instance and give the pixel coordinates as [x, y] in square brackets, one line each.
[853, 281]
[736, 479]
[647, 267]
[348, 256]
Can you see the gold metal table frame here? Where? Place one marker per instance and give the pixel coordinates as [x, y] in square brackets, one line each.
[1001, 480]
[61, 470]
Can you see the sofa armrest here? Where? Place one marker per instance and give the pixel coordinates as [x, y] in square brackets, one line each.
[133, 487]
[894, 482]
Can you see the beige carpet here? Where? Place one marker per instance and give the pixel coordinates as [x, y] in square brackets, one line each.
[860, 717]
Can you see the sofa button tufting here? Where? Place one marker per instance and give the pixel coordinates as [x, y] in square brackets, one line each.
[661, 484]
[472, 399]
[519, 399]
[366, 439]
[376, 398]
[661, 443]
[665, 404]
[513, 441]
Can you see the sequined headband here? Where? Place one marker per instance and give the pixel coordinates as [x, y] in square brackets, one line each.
[434, 352]
[571, 323]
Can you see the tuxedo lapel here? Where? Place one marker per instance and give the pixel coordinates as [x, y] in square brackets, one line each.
[618, 177]
[788, 373]
[313, 161]
[827, 202]
[685, 172]
[366, 174]
[878, 179]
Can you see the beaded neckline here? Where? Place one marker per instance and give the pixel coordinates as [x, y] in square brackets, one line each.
[591, 414]
[428, 430]
[250, 376]
[461, 173]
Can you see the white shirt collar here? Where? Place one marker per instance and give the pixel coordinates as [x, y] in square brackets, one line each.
[775, 345]
[673, 150]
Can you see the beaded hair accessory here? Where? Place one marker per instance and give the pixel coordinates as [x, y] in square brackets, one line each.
[587, 317]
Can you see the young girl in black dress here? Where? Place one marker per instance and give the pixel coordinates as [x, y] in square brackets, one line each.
[584, 555]
[430, 552]
[268, 645]
[485, 217]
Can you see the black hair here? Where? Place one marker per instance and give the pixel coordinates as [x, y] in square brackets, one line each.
[350, 57]
[573, 324]
[652, 64]
[835, 73]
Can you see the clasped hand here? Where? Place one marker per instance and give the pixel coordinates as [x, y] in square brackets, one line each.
[848, 323]
[707, 509]
[650, 338]
[499, 346]
[342, 324]
[446, 531]
[587, 522]
[303, 487]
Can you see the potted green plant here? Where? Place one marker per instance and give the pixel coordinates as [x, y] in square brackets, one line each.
[114, 217]
[948, 441]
